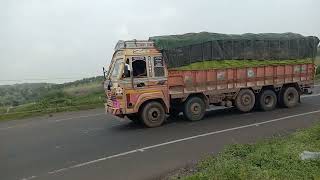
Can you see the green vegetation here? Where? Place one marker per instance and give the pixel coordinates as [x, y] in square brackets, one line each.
[48, 98]
[318, 57]
[239, 64]
[318, 60]
[276, 158]
[14, 95]
[318, 63]
[317, 78]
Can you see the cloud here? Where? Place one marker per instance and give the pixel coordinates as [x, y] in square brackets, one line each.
[75, 38]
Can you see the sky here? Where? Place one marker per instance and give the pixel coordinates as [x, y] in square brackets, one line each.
[64, 40]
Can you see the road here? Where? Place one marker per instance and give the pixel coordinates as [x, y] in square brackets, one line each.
[92, 145]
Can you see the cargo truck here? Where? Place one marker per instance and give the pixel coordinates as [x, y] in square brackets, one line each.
[145, 81]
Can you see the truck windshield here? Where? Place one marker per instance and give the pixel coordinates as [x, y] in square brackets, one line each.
[117, 69]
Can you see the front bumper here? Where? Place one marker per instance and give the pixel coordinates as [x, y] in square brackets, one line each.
[114, 111]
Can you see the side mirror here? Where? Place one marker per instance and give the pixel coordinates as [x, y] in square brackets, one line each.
[104, 73]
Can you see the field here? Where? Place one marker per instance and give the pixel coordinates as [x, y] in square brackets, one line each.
[276, 158]
[78, 95]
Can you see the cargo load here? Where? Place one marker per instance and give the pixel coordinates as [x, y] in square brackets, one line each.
[186, 49]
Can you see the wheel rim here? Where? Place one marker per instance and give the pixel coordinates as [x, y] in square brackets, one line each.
[246, 100]
[195, 109]
[154, 114]
[269, 101]
[290, 97]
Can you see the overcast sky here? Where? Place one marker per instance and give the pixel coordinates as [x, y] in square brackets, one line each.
[72, 39]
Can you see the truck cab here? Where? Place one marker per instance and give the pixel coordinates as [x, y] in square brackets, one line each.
[136, 83]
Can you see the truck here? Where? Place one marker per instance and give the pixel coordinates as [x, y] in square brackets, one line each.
[148, 80]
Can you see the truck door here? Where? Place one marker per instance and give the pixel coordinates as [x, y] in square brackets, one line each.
[157, 71]
[148, 71]
[158, 67]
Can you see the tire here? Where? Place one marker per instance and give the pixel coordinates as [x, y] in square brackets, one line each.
[194, 109]
[134, 118]
[267, 100]
[153, 114]
[245, 100]
[290, 97]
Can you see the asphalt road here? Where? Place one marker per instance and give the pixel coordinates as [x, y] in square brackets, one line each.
[92, 145]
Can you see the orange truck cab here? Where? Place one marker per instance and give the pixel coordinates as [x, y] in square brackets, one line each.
[136, 82]
[139, 86]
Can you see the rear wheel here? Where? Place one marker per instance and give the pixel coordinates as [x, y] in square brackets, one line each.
[153, 114]
[245, 100]
[268, 100]
[194, 109]
[290, 97]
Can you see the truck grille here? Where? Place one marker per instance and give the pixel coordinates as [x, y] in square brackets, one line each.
[110, 99]
[109, 103]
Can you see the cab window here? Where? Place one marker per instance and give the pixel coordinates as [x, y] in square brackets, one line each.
[158, 66]
[139, 67]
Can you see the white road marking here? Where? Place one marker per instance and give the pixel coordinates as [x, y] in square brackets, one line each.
[166, 143]
[52, 121]
[56, 171]
[92, 115]
[121, 120]
[179, 140]
[10, 127]
[28, 178]
[101, 159]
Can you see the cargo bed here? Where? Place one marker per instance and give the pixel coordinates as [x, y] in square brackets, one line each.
[215, 81]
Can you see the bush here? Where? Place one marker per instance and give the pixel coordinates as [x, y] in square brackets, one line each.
[275, 158]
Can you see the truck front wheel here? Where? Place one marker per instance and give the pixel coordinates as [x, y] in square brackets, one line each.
[153, 114]
[245, 100]
[194, 109]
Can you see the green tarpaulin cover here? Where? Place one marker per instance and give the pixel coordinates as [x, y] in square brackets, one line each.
[182, 50]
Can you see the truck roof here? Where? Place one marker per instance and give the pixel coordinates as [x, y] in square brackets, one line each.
[134, 44]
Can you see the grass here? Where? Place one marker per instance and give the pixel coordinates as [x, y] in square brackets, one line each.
[317, 61]
[83, 89]
[317, 81]
[238, 64]
[66, 97]
[3, 109]
[276, 158]
[49, 111]
[71, 103]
